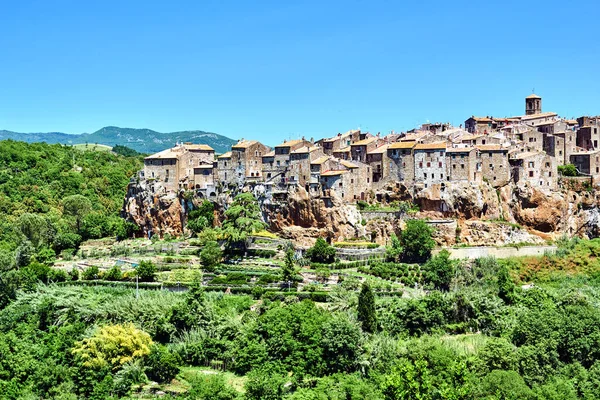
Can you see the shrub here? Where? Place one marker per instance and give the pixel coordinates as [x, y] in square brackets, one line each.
[146, 271]
[162, 365]
[113, 274]
[211, 255]
[321, 252]
[416, 241]
[91, 272]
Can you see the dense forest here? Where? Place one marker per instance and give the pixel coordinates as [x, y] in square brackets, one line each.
[519, 328]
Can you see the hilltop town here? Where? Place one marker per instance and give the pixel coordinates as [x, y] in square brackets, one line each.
[528, 151]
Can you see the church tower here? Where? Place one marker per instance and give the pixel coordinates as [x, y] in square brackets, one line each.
[533, 104]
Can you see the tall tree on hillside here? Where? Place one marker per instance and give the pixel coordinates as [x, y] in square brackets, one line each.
[242, 218]
[416, 241]
[77, 206]
[366, 309]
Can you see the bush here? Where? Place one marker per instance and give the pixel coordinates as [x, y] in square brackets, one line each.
[146, 271]
[113, 274]
[162, 365]
[211, 255]
[91, 272]
[567, 170]
[321, 252]
[416, 241]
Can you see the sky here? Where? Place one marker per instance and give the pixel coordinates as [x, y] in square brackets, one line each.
[274, 70]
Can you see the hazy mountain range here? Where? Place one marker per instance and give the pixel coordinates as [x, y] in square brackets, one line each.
[142, 140]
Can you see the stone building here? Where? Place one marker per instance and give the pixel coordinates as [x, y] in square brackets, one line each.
[174, 167]
[269, 171]
[401, 162]
[534, 167]
[300, 164]
[341, 140]
[430, 163]
[379, 162]
[462, 164]
[588, 137]
[359, 150]
[587, 162]
[246, 158]
[225, 170]
[533, 104]
[204, 177]
[495, 167]
[283, 151]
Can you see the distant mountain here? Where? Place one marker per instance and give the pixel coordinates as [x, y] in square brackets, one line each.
[142, 140]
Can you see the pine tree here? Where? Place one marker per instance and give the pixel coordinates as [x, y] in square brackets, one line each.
[288, 271]
[366, 309]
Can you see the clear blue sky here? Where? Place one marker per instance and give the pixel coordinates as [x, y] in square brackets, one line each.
[277, 69]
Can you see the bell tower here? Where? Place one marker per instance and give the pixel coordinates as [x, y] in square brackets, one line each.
[533, 104]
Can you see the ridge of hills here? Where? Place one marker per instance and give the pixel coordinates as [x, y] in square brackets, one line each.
[141, 140]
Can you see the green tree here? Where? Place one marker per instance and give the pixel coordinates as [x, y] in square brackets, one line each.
[439, 270]
[288, 271]
[161, 364]
[78, 207]
[36, 229]
[211, 255]
[146, 271]
[321, 252]
[341, 342]
[394, 250]
[242, 218]
[366, 309]
[416, 240]
[506, 286]
[568, 170]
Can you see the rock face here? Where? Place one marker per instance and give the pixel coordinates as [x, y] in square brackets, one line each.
[152, 211]
[460, 212]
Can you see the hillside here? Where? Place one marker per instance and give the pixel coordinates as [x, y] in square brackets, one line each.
[142, 140]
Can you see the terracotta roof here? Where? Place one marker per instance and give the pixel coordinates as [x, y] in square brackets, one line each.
[343, 150]
[431, 146]
[364, 142]
[269, 154]
[333, 173]
[165, 154]
[481, 119]
[402, 145]
[491, 147]
[379, 150]
[225, 155]
[470, 137]
[320, 160]
[201, 147]
[348, 164]
[341, 136]
[290, 143]
[244, 144]
[526, 154]
[459, 149]
[533, 96]
[304, 150]
[205, 166]
[535, 116]
[571, 122]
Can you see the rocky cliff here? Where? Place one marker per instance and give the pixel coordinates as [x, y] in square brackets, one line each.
[461, 213]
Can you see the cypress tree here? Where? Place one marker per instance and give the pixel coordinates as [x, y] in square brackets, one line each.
[366, 309]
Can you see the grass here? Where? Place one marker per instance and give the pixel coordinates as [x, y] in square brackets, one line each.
[465, 345]
[266, 234]
[92, 147]
[189, 373]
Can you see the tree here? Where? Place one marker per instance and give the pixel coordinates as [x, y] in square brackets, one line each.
[416, 241]
[394, 250]
[35, 228]
[242, 218]
[366, 309]
[439, 270]
[211, 387]
[321, 252]
[506, 287]
[78, 207]
[162, 364]
[145, 271]
[568, 170]
[341, 344]
[211, 255]
[113, 346]
[288, 272]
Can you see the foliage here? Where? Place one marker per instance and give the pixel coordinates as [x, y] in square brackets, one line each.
[288, 271]
[366, 309]
[242, 218]
[211, 387]
[416, 241]
[146, 271]
[568, 170]
[113, 346]
[161, 364]
[125, 151]
[211, 255]
[321, 252]
[394, 250]
[439, 270]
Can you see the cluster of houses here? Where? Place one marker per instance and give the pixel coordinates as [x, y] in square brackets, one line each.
[356, 164]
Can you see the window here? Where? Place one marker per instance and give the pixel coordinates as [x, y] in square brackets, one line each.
[462, 166]
[428, 164]
[531, 164]
[367, 180]
[225, 175]
[490, 155]
[440, 164]
[432, 176]
[595, 143]
[492, 166]
[531, 174]
[278, 163]
[483, 141]
[351, 180]
[404, 164]
[441, 154]
[547, 164]
[550, 174]
[340, 184]
[225, 163]
[420, 165]
[453, 166]
[441, 176]
[425, 175]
